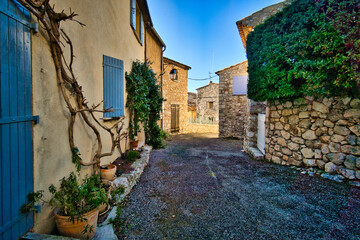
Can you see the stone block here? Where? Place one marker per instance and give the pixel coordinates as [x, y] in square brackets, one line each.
[320, 164]
[287, 112]
[298, 140]
[320, 107]
[305, 123]
[318, 154]
[337, 138]
[304, 115]
[293, 120]
[293, 146]
[307, 152]
[325, 149]
[336, 158]
[294, 162]
[357, 174]
[309, 135]
[325, 139]
[349, 174]
[334, 147]
[286, 151]
[275, 114]
[355, 129]
[285, 134]
[352, 113]
[276, 159]
[282, 141]
[354, 150]
[341, 130]
[329, 124]
[355, 103]
[330, 167]
[350, 162]
[310, 162]
[279, 126]
[288, 104]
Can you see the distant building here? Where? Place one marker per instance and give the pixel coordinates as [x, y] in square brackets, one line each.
[192, 106]
[207, 104]
[175, 94]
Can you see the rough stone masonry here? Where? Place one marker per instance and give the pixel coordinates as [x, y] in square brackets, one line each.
[319, 133]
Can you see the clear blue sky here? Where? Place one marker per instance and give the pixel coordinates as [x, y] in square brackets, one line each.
[202, 33]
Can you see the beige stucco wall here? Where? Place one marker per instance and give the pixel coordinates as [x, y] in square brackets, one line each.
[175, 92]
[154, 53]
[108, 32]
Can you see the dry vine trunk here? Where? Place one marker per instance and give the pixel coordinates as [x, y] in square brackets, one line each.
[69, 86]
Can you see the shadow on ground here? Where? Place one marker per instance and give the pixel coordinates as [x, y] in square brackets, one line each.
[201, 187]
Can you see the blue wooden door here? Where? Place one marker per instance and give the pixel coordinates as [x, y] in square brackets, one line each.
[16, 149]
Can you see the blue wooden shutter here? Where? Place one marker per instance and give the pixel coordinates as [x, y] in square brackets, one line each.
[113, 86]
[141, 27]
[133, 14]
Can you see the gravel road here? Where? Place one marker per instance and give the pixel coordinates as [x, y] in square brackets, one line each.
[202, 187]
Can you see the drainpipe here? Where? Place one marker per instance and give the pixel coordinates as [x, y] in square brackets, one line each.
[162, 69]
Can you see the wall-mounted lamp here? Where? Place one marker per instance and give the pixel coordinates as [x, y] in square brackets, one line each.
[173, 74]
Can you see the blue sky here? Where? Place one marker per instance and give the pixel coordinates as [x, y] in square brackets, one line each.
[202, 33]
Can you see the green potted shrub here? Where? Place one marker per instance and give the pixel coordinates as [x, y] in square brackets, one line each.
[76, 205]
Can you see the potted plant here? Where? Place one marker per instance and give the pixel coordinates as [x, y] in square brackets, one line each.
[108, 171]
[76, 205]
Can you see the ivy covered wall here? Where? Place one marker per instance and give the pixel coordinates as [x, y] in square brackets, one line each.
[311, 48]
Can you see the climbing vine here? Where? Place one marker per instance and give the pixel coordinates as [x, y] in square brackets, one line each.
[144, 103]
[70, 88]
[311, 48]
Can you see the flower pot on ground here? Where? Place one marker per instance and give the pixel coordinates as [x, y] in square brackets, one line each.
[78, 204]
[76, 227]
[134, 144]
[108, 171]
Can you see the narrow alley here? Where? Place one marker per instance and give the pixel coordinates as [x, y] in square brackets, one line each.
[202, 187]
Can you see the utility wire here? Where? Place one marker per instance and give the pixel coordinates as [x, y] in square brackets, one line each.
[201, 79]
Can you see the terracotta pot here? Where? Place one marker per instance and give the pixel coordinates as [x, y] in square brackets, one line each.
[109, 172]
[75, 229]
[134, 144]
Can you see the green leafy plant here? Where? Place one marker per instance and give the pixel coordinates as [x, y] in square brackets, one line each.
[32, 199]
[76, 158]
[132, 155]
[304, 50]
[74, 199]
[144, 103]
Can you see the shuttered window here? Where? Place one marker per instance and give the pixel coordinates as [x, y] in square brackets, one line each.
[113, 86]
[240, 85]
[136, 20]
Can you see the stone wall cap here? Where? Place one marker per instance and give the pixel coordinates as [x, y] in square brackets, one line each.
[168, 60]
[233, 66]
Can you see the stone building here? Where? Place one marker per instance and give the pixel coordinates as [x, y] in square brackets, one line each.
[192, 106]
[175, 94]
[207, 103]
[238, 115]
[232, 103]
[42, 115]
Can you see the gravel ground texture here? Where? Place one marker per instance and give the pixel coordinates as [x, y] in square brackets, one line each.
[202, 187]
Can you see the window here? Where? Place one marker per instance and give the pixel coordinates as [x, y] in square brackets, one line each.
[136, 20]
[210, 105]
[113, 86]
[240, 85]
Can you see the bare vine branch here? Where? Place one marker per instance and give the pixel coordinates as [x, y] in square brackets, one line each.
[68, 84]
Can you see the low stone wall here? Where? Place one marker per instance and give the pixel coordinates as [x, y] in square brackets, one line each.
[322, 133]
[201, 128]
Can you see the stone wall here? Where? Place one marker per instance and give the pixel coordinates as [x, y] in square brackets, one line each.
[322, 133]
[232, 108]
[207, 102]
[201, 128]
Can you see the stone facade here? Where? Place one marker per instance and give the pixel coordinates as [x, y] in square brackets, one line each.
[201, 128]
[175, 92]
[321, 133]
[192, 106]
[232, 108]
[207, 104]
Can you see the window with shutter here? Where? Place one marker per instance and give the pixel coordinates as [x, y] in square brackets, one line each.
[113, 86]
[136, 20]
[240, 85]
